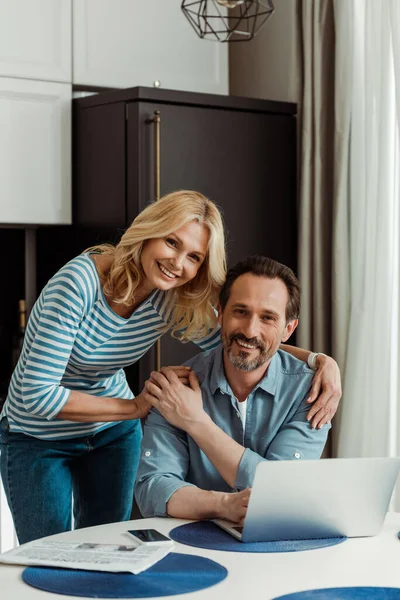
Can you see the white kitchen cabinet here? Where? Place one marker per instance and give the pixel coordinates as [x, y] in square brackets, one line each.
[36, 39]
[35, 152]
[127, 43]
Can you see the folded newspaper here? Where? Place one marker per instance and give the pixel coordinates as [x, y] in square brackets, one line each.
[116, 558]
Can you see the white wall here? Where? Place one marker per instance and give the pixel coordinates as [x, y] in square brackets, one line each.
[268, 66]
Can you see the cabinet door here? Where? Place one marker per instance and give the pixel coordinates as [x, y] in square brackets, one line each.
[127, 43]
[244, 161]
[35, 39]
[35, 152]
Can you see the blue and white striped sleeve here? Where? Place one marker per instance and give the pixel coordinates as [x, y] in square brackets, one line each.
[211, 340]
[57, 316]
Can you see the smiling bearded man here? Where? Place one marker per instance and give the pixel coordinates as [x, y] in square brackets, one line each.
[241, 360]
[246, 403]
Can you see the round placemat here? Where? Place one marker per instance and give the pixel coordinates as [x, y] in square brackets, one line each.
[174, 574]
[346, 593]
[205, 534]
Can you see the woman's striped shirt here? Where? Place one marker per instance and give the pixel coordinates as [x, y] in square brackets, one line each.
[75, 341]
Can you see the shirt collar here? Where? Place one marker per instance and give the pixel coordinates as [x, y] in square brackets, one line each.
[218, 380]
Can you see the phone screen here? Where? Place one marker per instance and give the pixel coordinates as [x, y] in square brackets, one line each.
[149, 535]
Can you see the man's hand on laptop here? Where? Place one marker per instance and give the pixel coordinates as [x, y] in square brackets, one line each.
[234, 506]
[180, 404]
[326, 391]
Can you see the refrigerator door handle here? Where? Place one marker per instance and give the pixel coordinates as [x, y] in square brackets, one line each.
[156, 120]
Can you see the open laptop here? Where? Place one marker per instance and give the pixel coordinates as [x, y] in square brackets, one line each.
[295, 500]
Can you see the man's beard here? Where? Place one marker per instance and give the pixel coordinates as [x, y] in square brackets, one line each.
[241, 359]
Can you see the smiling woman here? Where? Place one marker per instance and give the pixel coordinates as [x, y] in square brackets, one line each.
[176, 245]
[70, 425]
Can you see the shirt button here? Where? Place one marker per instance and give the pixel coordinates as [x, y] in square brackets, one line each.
[297, 455]
[147, 453]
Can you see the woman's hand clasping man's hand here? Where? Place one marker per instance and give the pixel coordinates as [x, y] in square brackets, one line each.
[143, 405]
[179, 403]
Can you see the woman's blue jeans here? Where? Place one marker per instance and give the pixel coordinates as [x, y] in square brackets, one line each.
[40, 477]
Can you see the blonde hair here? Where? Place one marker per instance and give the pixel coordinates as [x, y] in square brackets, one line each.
[192, 314]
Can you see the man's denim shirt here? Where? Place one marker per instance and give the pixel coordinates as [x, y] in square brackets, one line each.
[276, 429]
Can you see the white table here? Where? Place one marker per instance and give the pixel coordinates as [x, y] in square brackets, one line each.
[371, 561]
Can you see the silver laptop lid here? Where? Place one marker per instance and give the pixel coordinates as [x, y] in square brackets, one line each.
[319, 498]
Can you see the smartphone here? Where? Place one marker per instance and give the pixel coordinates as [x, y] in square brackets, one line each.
[149, 536]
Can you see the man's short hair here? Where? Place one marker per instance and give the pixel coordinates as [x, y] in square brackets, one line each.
[271, 269]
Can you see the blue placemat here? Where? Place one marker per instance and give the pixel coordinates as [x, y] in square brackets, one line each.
[175, 574]
[346, 593]
[205, 534]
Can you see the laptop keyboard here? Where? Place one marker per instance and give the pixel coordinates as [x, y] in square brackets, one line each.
[238, 529]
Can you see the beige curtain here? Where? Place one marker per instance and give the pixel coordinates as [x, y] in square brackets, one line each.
[341, 294]
[322, 260]
[316, 135]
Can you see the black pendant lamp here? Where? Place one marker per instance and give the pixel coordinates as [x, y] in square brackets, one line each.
[227, 20]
